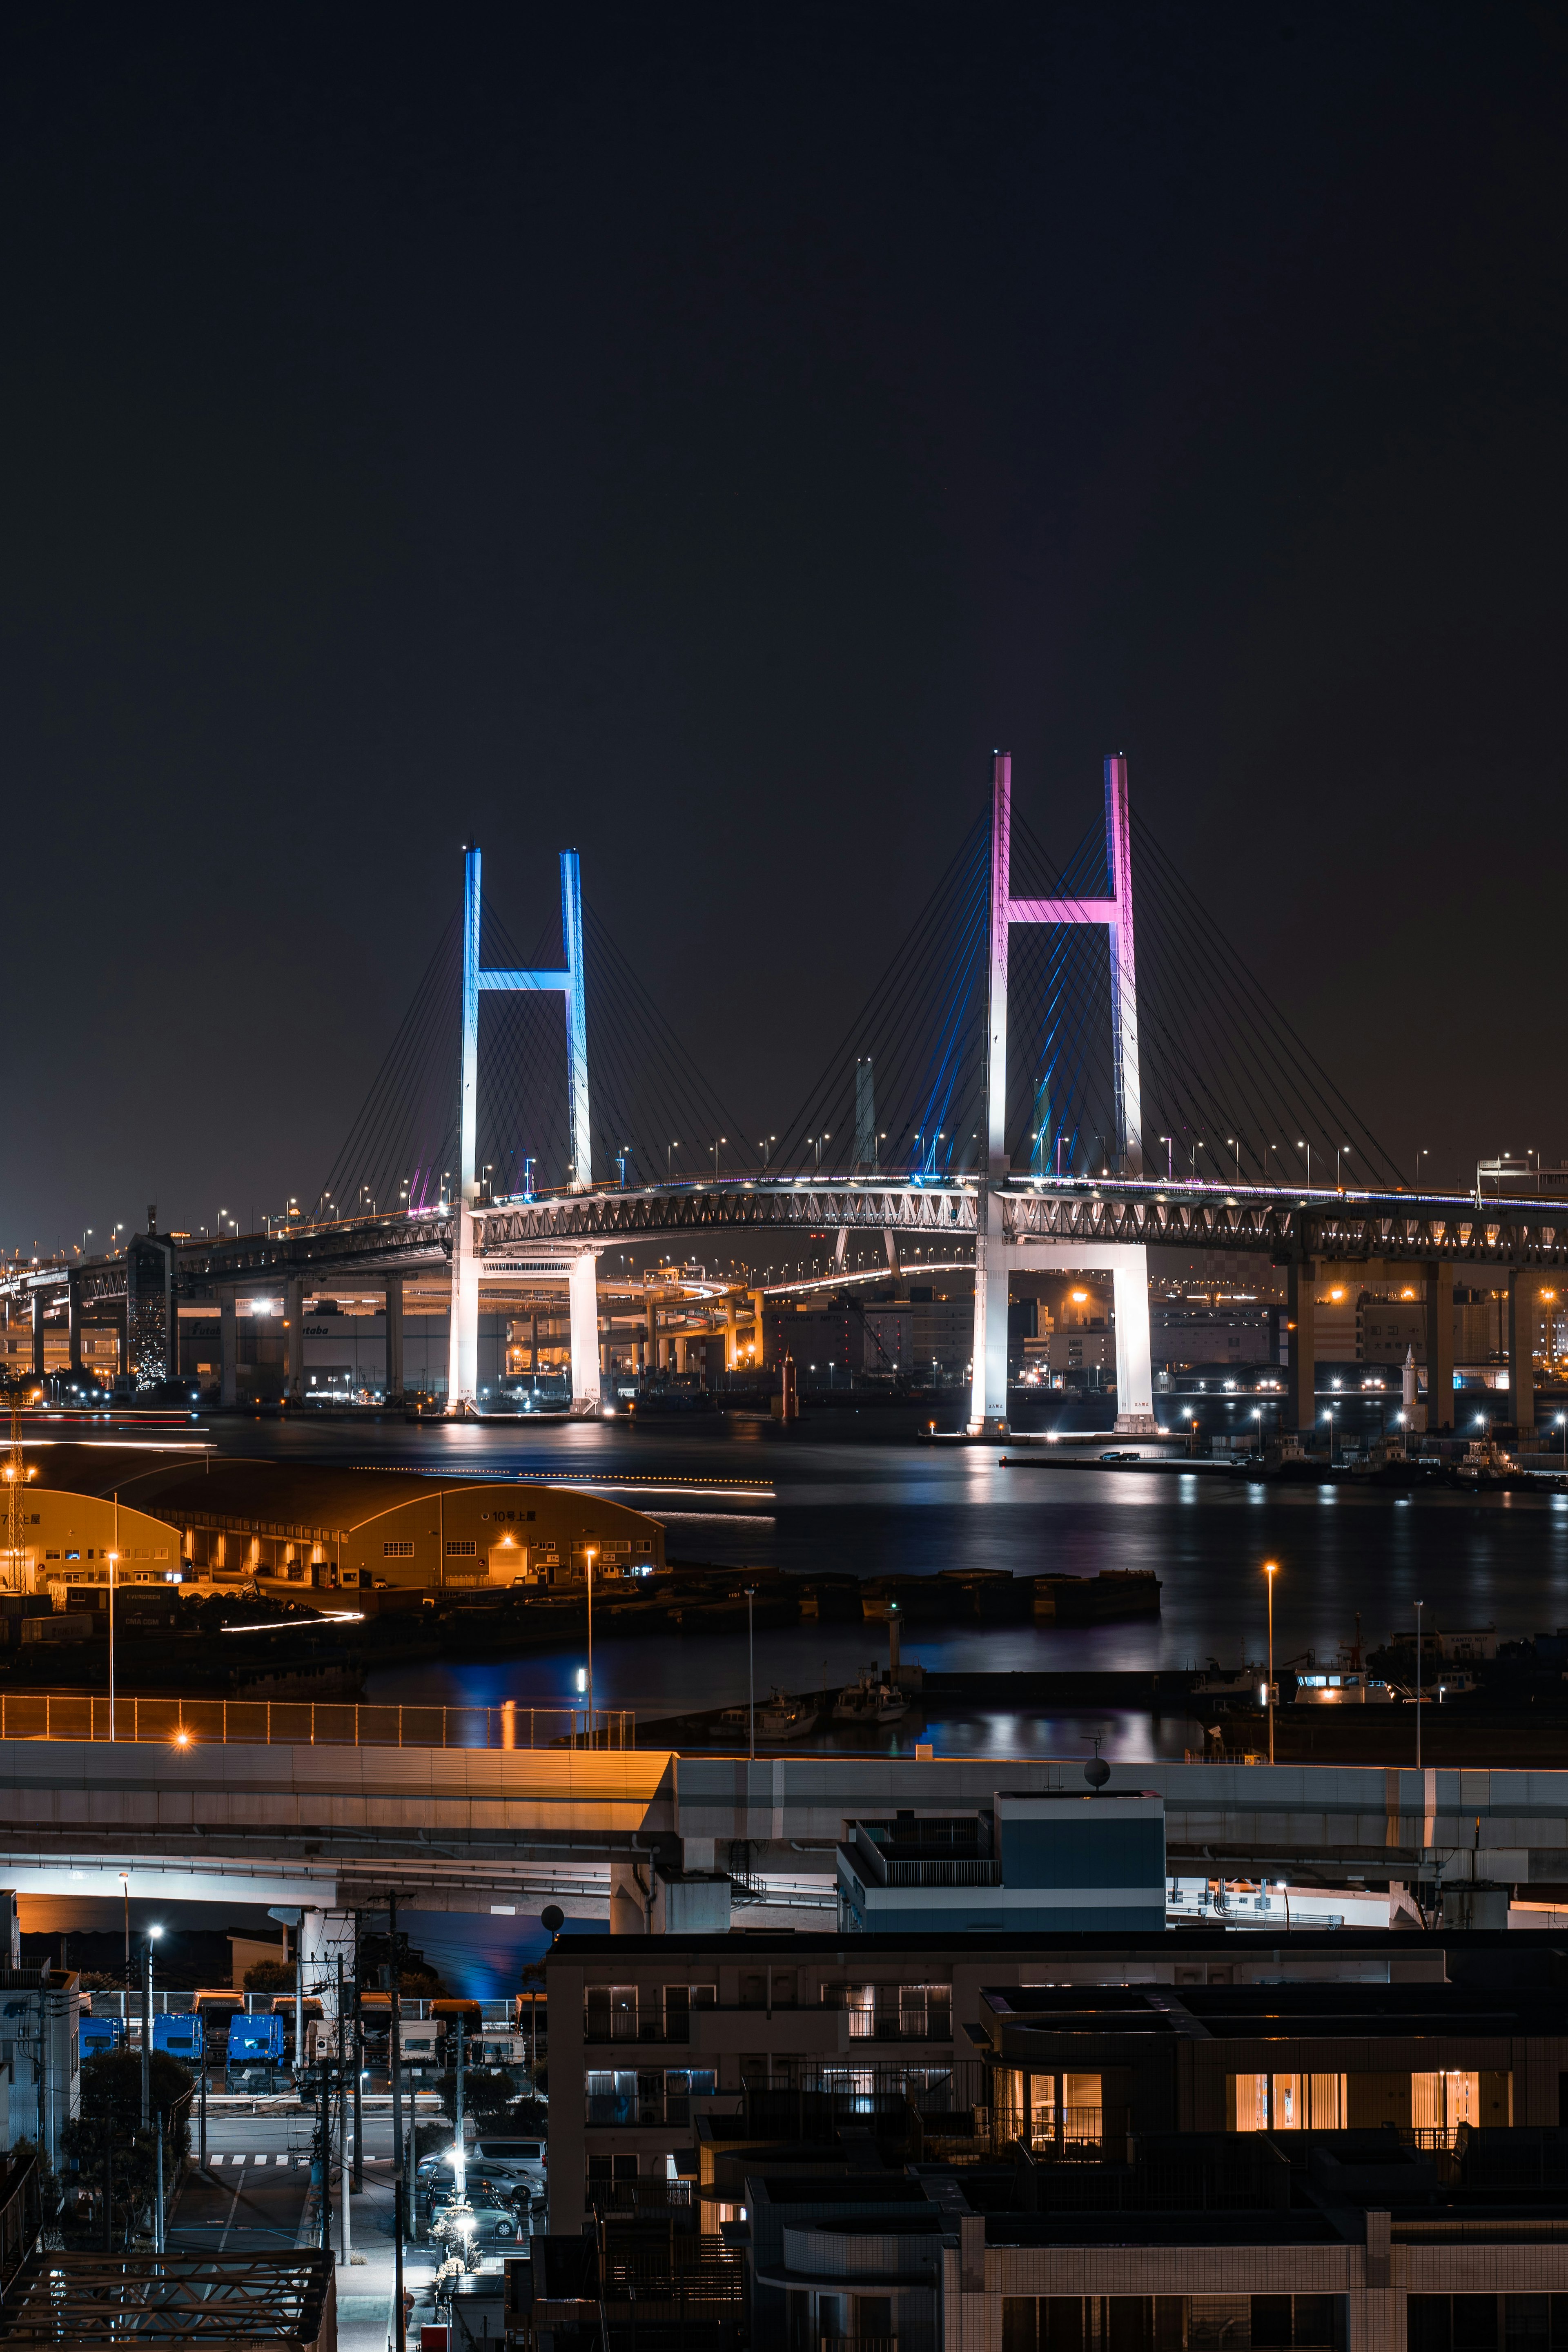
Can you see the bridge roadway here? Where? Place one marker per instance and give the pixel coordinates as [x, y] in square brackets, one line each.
[1278, 1223]
[491, 1830]
[1030, 1220]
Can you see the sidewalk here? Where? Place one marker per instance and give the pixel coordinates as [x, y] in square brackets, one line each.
[365, 2316]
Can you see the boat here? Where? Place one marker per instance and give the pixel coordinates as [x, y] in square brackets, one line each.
[1237, 1684]
[783, 1717]
[872, 1700]
[734, 1724]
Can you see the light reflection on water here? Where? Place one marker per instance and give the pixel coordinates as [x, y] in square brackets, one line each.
[876, 1506]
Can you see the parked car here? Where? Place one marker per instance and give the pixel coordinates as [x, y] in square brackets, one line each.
[496, 2219]
[520, 2163]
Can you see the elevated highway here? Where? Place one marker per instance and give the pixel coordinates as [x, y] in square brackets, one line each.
[496, 1830]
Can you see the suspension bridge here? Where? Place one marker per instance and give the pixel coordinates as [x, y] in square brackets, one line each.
[1033, 1082]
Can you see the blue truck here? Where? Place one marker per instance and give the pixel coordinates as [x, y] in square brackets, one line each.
[180, 2034]
[97, 2035]
[256, 2045]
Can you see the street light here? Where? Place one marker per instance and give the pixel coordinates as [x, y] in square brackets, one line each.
[113, 1559]
[751, 1671]
[1271, 1569]
[1235, 1143]
[1302, 1145]
[1342, 1152]
[1166, 1141]
[723, 1139]
[588, 1570]
[1329, 1417]
[671, 1150]
[1418, 1607]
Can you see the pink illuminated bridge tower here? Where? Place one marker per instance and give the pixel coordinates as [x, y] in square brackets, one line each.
[996, 1253]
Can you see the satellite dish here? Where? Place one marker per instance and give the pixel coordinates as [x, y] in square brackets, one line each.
[1096, 1772]
[554, 1918]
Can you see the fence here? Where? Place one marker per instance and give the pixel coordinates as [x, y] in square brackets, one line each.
[306, 1723]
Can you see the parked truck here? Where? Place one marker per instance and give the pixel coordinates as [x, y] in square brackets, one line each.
[180, 2034]
[257, 2047]
[97, 2035]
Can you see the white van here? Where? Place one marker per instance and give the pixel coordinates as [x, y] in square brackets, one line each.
[503, 2158]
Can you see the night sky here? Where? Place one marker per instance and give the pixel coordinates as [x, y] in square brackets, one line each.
[700, 437]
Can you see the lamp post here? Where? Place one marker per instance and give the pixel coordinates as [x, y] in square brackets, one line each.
[1563, 1425]
[152, 1936]
[113, 1557]
[1302, 1145]
[1235, 1143]
[1166, 1141]
[1271, 1569]
[1419, 1605]
[588, 1570]
[751, 1671]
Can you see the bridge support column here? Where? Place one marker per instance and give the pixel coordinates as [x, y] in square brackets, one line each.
[391, 1385]
[731, 1338]
[1440, 1348]
[294, 1342]
[463, 1344]
[582, 1288]
[1301, 1352]
[228, 1348]
[988, 1375]
[1521, 1289]
[37, 1335]
[73, 1321]
[1134, 1369]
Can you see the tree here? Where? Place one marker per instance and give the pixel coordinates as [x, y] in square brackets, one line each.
[108, 2126]
[271, 1976]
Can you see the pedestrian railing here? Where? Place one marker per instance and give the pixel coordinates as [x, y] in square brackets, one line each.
[306, 1723]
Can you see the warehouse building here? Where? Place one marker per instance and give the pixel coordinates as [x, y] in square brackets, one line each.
[303, 1529]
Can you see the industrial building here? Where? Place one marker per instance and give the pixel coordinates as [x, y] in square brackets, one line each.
[300, 1529]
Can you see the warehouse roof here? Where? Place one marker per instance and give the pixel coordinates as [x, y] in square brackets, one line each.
[181, 1486]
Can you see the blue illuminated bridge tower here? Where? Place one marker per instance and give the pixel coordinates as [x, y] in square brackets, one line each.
[576, 1260]
[995, 1253]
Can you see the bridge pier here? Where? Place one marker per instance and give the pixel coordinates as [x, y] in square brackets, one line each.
[583, 1291]
[294, 1342]
[228, 1342]
[73, 1322]
[1128, 1265]
[1440, 1286]
[1521, 1345]
[1301, 1354]
[391, 1385]
[37, 1334]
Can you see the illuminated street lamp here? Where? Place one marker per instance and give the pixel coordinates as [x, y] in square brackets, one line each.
[1271, 1569]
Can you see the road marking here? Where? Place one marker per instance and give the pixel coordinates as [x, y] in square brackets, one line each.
[229, 2223]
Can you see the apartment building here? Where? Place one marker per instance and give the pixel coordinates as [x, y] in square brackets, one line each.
[649, 2036]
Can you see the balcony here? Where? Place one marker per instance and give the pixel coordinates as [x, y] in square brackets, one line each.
[907, 2025]
[616, 2025]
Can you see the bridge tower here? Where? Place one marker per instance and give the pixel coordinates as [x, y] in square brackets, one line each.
[463, 1352]
[995, 1253]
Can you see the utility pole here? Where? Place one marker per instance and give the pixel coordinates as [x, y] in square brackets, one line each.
[346, 2249]
[399, 2182]
[359, 2066]
[457, 2103]
[147, 2039]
